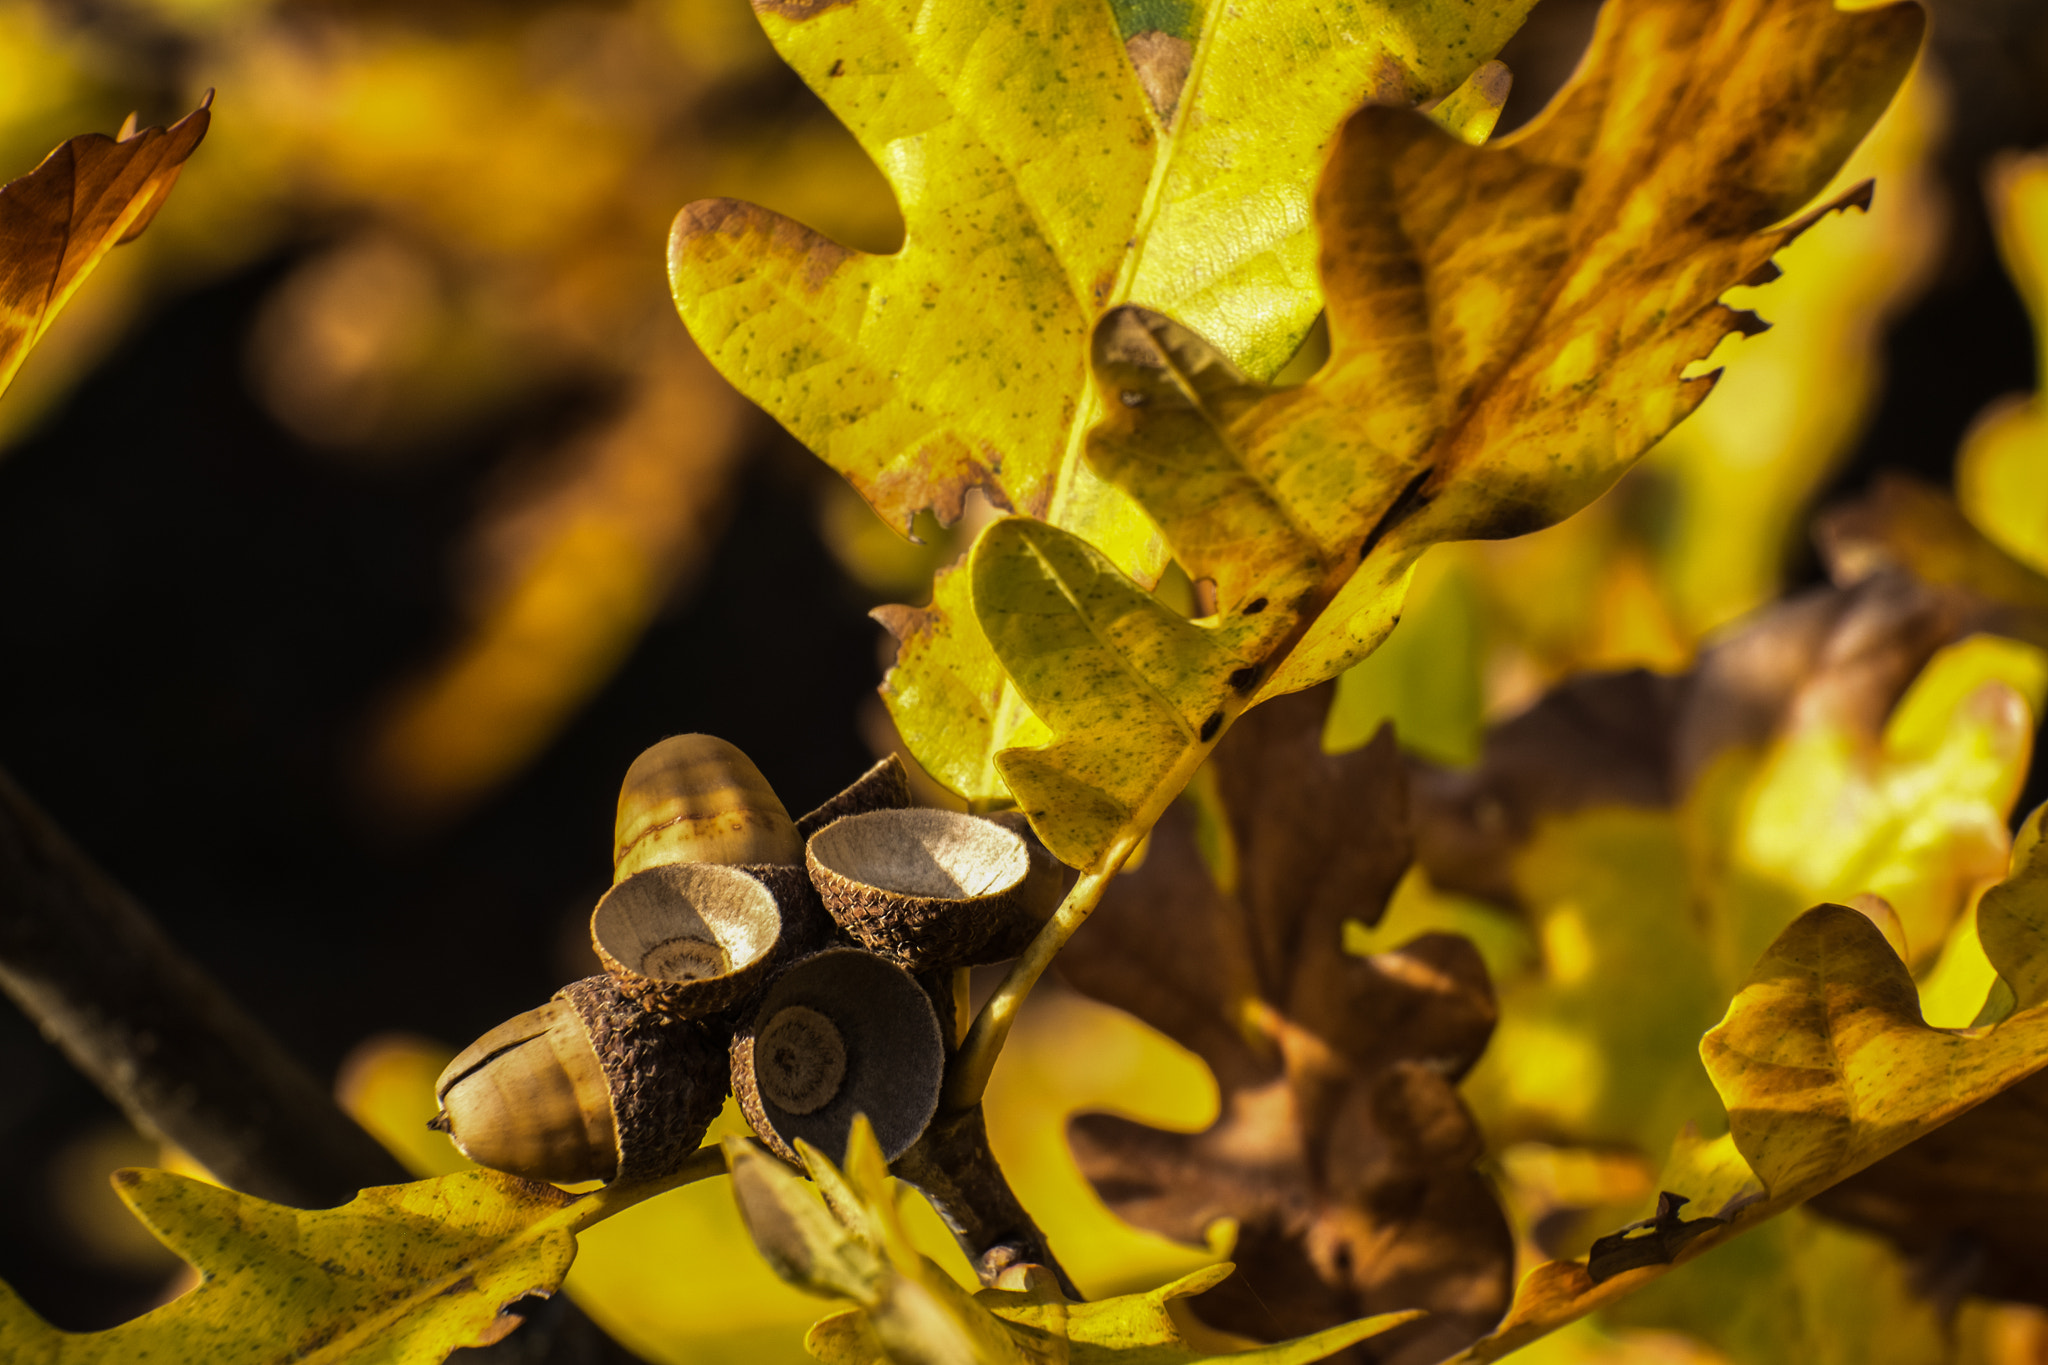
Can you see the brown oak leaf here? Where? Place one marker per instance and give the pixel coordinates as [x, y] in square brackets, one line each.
[1343, 1150]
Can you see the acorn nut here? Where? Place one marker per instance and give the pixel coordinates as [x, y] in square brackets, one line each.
[688, 939]
[841, 1033]
[933, 888]
[698, 799]
[589, 1086]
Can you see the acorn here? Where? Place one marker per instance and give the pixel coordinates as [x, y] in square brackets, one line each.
[933, 888]
[698, 799]
[841, 1033]
[687, 939]
[590, 1086]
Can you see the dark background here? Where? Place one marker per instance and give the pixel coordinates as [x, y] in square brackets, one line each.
[196, 612]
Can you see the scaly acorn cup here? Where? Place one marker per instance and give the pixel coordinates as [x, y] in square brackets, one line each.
[841, 1033]
[697, 799]
[688, 939]
[932, 888]
[590, 1086]
[886, 786]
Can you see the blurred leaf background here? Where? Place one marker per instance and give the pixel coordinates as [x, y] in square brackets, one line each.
[361, 522]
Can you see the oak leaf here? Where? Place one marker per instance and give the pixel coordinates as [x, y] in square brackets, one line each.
[60, 220]
[1342, 1151]
[1510, 326]
[400, 1274]
[907, 1311]
[1051, 161]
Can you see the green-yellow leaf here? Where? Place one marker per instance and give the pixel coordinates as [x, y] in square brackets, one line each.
[1051, 159]
[400, 1274]
[58, 221]
[1047, 166]
[910, 1312]
[1509, 329]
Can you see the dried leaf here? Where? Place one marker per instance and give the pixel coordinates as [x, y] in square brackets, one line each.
[400, 1274]
[1905, 524]
[1343, 1152]
[1509, 328]
[57, 222]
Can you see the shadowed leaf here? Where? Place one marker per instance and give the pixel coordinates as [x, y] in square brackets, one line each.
[1343, 1152]
[1509, 328]
[58, 221]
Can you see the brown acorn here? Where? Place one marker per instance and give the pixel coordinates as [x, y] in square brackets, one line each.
[590, 1086]
[933, 888]
[687, 939]
[841, 1033]
[697, 799]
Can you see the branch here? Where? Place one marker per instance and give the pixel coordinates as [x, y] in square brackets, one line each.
[155, 1033]
[186, 1065]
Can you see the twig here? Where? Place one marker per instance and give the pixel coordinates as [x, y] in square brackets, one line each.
[954, 1167]
[967, 1077]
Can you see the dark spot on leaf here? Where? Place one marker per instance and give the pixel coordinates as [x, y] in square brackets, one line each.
[1211, 726]
[1255, 606]
[1242, 680]
[838, 68]
[1409, 501]
[1654, 1241]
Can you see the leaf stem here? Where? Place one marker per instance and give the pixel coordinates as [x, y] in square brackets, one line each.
[967, 1078]
[707, 1161]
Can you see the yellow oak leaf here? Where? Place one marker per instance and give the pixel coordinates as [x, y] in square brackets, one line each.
[401, 1274]
[1827, 1067]
[1510, 327]
[1050, 160]
[60, 220]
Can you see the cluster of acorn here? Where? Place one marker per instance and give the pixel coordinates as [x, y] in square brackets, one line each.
[802, 965]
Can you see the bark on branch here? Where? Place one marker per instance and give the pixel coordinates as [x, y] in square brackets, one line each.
[186, 1064]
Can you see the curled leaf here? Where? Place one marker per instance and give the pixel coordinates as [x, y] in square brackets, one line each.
[57, 222]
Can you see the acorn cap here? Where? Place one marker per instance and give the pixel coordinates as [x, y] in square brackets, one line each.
[589, 1086]
[688, 939]
[698, 799]
[886, 786]
[841, 1033]
[931, 888]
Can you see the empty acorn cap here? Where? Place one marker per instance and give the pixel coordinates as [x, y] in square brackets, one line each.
[886, 786]
[841, 1033]
[698, 799]
[589, 1086]
[687, 939]
[931, 888]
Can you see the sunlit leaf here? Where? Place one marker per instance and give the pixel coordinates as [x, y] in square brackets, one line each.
[401, 1274]
[1509, 328]
[58, 221]
[2002, 469]
[1049, 163]
[910, 1312]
